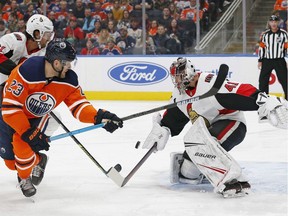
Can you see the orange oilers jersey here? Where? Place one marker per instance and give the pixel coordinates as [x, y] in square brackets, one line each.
[28, 94]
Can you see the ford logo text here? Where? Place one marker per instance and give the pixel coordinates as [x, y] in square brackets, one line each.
[138, 73]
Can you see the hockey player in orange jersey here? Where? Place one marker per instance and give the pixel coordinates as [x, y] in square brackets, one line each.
[31, 92]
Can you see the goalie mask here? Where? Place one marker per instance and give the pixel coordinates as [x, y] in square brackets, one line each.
[182, 71]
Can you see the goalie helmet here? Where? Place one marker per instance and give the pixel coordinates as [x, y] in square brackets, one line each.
[60, 49]
[182, 71]
[42, 24]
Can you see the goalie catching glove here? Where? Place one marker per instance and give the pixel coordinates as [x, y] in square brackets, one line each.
[36, 139]
[112, 121]
[159, 134]
[275, 109]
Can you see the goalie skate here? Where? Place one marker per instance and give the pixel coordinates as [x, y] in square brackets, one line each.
[176, 176]
[236, 189]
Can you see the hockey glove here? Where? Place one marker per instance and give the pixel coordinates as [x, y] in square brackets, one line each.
[36, 139]
[275, 109]
[112, 121]
[158, 134]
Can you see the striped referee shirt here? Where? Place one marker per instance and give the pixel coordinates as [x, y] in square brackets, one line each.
[273, 45]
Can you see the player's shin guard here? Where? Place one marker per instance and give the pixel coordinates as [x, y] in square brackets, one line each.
[210, 158]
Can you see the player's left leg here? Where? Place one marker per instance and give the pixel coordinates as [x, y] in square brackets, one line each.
[48, 125]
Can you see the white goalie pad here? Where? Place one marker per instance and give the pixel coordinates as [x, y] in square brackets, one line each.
[209, 157]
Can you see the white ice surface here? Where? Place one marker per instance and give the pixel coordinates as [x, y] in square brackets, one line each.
[75, 186]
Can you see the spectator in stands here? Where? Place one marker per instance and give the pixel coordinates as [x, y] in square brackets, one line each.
[14, 8]
[282, 7]
[159, 6]
[137, 8]
[153, 28]
[63, 12]
[125, 5]
[79, 11]
[54, 6]
[107, 6]
[135, 31]
[117, 11]
[73, 33]
[90, 48]
[125, 41]
[180, 5]
[112, 29]
[111, 48]
[214, 10]
[12, 22]
[96, 32]
[89, 21]
[163, 43]
[3, 29]
[125, 21]
[174, 11]
[165, 18]
[190, 13]
[29, 12]
[102, 38]
[98, 12]
[23, 6]
[21, 26]
[150, 46]
[177, 33]
[59, 32]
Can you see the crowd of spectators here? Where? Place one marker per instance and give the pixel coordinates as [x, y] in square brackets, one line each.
[114, 27]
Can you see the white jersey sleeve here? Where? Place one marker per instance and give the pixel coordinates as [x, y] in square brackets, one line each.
[16, 44]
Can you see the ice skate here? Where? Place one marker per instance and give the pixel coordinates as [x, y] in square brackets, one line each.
[39, 169]
[27, 187]
[236, 189]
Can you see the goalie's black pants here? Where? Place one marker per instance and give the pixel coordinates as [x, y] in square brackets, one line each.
[229, 133]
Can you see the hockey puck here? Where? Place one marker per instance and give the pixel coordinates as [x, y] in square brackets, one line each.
[118, 167]
[137, 144]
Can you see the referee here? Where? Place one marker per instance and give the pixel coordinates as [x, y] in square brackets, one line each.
[272, 50]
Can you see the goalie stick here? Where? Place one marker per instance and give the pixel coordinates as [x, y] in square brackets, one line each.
[222, 74]
[112, 173]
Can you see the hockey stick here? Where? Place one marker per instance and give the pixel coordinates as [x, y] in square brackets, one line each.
[223, 71]
[112, 173]
[139, 164]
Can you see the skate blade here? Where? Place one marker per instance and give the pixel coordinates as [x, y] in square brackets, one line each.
[234, 194]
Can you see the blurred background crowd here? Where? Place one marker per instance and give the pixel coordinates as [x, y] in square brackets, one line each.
[114, 27]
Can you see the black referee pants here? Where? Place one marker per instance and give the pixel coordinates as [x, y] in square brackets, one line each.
[280, 66]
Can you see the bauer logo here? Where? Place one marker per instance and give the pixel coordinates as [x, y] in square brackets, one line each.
[138, 73]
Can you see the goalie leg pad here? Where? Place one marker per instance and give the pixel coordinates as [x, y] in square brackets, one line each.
[176, 159]
[210, 158]
[183, 170]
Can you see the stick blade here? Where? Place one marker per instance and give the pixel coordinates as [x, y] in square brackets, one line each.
[115, 176]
